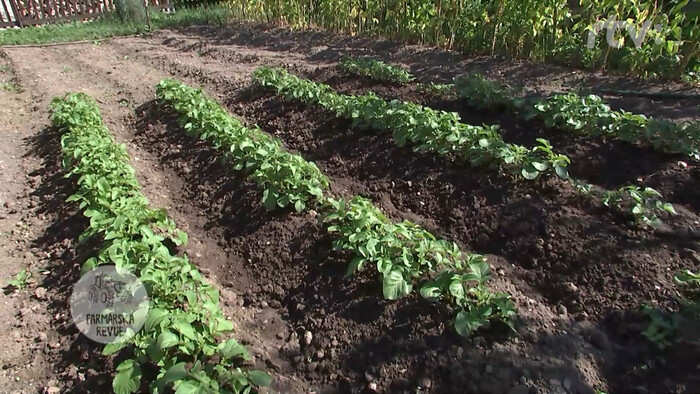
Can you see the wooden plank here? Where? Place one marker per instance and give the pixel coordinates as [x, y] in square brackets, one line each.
[40, 8]
[15, 11]
[87, 7]
[7, 12]
[37, 8]
[52, 9]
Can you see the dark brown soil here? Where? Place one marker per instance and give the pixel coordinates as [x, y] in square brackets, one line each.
[577, 255]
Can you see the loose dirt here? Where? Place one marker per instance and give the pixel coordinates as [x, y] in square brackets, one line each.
[578, 273]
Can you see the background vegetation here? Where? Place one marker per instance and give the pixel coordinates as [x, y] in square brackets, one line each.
[536, 30]
[549, 30]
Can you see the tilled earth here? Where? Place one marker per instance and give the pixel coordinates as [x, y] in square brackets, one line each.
[578, 273]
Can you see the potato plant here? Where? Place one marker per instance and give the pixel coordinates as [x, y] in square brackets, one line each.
[20, 281]
[406, 254]
[383, 72]
[428, 130]
[569, 112]
[375, 69]
[285, 178]
[184, 339]
[590, 115]
[583, 114]
[643, 204]
[482, 93]
[595, 117]
[664, 328]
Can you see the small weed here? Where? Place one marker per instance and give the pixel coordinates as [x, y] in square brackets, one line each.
[125, 103]
[20, 281]
[10, 87]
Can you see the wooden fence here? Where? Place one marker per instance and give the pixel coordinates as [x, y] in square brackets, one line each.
[21, 13]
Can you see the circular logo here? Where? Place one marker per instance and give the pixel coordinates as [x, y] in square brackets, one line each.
[106, 303]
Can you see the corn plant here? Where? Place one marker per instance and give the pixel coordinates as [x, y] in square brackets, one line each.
[428, 130]
[375, 69]
[184, 336]
[285, 178]
[536, 30]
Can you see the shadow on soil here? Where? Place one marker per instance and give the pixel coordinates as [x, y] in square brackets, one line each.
[81, 368]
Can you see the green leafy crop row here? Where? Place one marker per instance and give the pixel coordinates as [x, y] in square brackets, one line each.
[427, 129]
[592, 116]
[376, 70]
[583, 114]
[286, 178]
[569, 112]
[403, 253]
[185, 331]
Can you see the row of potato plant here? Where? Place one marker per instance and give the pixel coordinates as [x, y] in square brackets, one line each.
[644, 204]
[428, 130]
[590, 115]
[285, 178]
[375, 69]
[587, 114]
[404, 253]
[185, 332]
